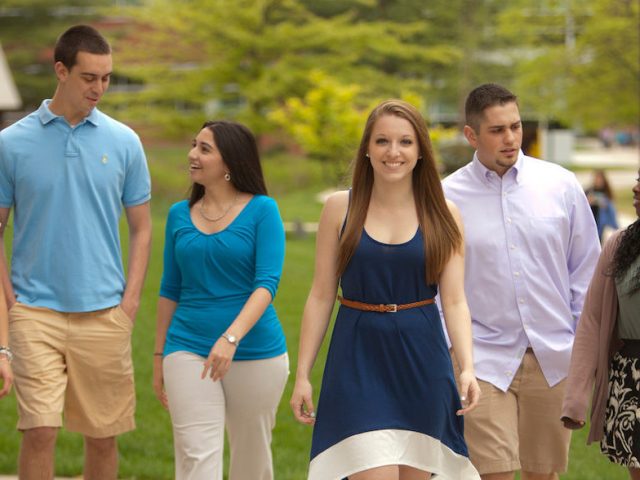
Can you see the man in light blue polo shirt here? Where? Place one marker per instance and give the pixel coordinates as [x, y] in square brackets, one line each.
[68, 170]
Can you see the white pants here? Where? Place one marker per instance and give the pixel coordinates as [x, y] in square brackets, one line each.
[246, 399]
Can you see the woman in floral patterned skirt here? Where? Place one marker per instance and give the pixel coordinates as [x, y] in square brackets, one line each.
[607, 351]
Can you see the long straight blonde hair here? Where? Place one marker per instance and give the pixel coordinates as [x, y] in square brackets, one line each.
[440, 232]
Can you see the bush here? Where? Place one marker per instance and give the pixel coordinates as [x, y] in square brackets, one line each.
[454, 154]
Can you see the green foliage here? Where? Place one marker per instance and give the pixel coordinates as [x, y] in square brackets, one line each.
[607, 68]
[261, 54]
[572, 61]
[577, 62]
[28, 31]
[452, 150]
[329, 120]
[326, 123]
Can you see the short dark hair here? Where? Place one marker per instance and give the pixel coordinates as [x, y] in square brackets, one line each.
[239, 151]
[483, 97]
[79, 38]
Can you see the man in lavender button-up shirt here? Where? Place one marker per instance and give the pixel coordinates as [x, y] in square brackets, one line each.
[531, 248]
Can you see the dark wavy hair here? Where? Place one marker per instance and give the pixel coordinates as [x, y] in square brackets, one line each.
[626, 253]
[239, 151]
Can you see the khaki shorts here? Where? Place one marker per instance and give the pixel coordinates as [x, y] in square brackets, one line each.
[76, 363]
[519, 429]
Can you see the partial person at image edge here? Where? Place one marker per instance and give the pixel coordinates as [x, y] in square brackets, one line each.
[68, 170]
[606, 351]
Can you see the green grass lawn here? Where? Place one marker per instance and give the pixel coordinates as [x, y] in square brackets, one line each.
[147, 452]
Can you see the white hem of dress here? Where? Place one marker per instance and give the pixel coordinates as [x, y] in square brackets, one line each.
[390, 447]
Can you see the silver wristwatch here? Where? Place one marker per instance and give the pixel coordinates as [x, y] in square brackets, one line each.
[6, 351]
[232, 339]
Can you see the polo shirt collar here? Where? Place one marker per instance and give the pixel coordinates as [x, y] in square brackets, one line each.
[47, 115]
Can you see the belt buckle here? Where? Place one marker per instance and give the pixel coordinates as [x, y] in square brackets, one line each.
[391, 307]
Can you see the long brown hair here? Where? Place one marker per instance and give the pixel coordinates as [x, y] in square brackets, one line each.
[440, 232]
[239, 151]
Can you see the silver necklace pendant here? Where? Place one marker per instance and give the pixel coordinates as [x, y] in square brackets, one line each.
[222, 215]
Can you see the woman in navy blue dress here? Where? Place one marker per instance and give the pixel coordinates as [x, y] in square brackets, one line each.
[389, 407]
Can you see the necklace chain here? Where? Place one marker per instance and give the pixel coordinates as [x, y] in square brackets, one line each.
[219, 217]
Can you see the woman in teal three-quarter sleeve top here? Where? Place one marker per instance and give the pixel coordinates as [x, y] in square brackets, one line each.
[220, 358]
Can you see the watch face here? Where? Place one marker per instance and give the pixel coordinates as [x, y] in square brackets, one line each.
[230, 338]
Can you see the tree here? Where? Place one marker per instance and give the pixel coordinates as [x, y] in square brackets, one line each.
[28, 31]
[577, 61]
[244, 61]
[326, 122]
[606, 70]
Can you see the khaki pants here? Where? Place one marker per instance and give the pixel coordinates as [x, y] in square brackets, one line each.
[245, 400]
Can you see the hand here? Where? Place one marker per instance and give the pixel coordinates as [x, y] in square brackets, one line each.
[7, 376]
[130, 308]
[302, 402]
[469, 392]
[219, 360]
[572, 424]
[158, 381]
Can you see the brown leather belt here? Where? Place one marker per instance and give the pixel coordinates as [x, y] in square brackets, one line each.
[383, 307]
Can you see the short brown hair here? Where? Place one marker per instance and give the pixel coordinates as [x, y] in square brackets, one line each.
[483, 97]
[79, 38]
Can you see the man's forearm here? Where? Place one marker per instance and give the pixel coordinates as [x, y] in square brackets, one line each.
[5, 278]
[139, 250]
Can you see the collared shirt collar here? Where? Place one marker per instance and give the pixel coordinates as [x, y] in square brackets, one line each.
[485, 174]
[46, 115]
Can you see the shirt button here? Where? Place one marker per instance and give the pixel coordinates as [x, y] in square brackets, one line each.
[517, 274]
[521, 300]
[513, 247]
[508, 373]
[509, 219]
